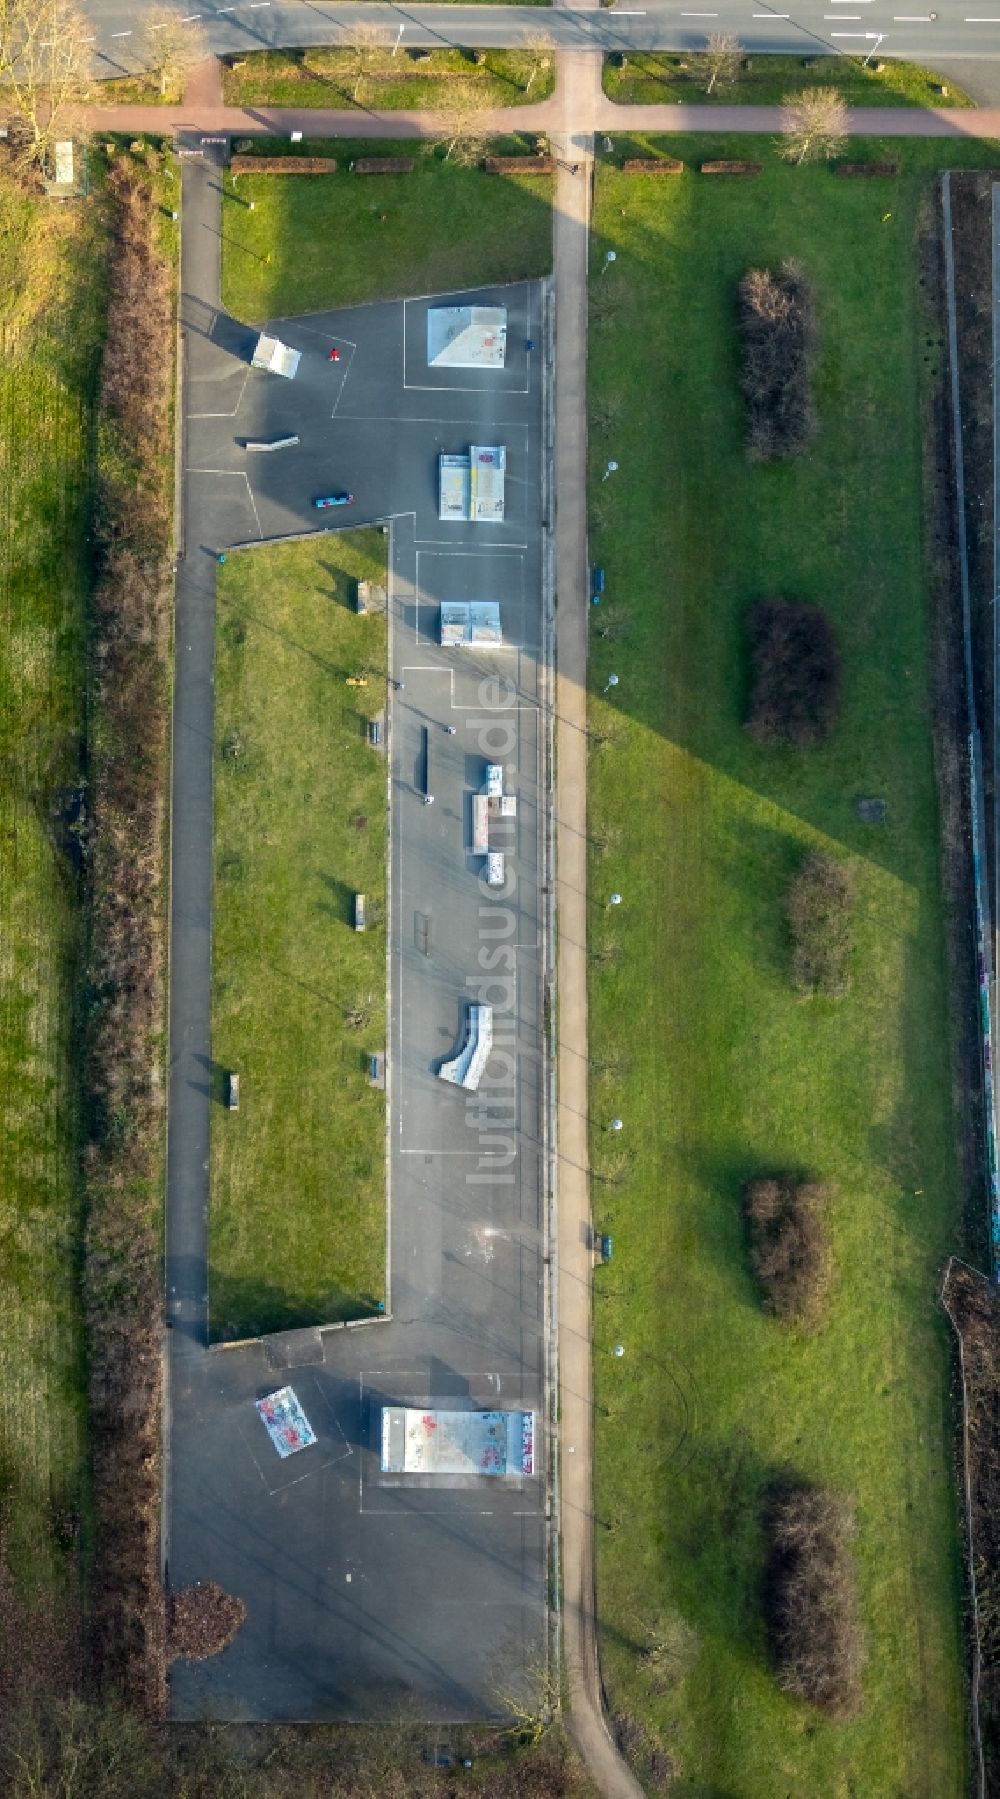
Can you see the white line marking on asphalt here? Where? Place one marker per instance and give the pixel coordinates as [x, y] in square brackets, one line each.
[223, 9]
[191, 17]
[913, 18]
[255, 5]
[848, 34]
[772, 15]
[846, 16]
[121, 34]
[699, 15]
[165, 26]
[448, 543]
[982, 21]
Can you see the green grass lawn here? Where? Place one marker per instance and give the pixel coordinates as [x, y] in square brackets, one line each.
[338, 240]
[444, 79]
[50, 326]
[697, 1039]
[298, 1173]
[654, 78]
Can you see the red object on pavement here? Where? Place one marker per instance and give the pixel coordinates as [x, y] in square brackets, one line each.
[333, 356]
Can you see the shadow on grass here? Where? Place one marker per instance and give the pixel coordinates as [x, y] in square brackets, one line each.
[340, 904]
[257, 1307]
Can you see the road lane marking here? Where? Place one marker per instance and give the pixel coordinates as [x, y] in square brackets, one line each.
[121, 34]
[191, 18]
[982, 21]
[914, 18]
[699, 15]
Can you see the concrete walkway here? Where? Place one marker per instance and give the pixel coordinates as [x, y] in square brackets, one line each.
[577, 106]
[578, 98]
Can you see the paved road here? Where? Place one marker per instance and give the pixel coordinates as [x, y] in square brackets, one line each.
[927, 34]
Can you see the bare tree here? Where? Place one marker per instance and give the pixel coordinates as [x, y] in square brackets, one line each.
[366, 41]
[168, 46]
[466, 137]
[45, 58]
[8, 14]
[813, 124]
[723, 59]
[542, 47]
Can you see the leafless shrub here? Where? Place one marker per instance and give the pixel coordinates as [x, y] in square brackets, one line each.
[133, 390]
[776, 316]
[810, 1597]
[795, 673]
[790, 1246]
[819, 916]
[122, 1278]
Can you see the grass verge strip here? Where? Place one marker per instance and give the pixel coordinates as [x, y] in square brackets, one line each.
[653, 78]
[298, 1173]
[731, 1076]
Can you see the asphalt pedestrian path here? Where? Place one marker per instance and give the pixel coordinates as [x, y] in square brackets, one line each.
[578, 96]
[583, 111]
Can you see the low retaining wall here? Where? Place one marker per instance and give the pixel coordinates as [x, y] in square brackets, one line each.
[382, 165]
[283, 165]
[731, 168]
[518, 165]
[653, 165]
